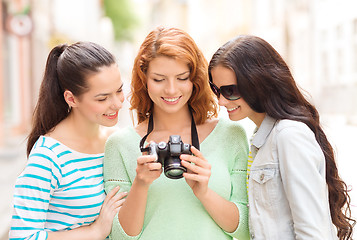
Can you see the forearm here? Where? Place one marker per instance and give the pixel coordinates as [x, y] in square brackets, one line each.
[80, 233]
[223, 212]
[131, 215]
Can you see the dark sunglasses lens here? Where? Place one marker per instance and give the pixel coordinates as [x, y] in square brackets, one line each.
[230, 92]
[214, 88]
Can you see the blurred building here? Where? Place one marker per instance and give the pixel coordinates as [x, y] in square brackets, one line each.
[211, 23]
[318, 39]
[29, 29]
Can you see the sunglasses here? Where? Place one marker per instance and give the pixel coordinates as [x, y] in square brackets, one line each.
[230, 92]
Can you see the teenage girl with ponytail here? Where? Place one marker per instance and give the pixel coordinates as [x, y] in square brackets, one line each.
[59, 194]
[294, 188]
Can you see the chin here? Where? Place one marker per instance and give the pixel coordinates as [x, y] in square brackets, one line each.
[235, 118]
[109, 124]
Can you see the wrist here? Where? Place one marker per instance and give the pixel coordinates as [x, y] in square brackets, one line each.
[205, 196]
[141, 184]
[94, 231]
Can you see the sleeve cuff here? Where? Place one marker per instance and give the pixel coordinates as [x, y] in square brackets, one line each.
[242, 230]
[119, 233]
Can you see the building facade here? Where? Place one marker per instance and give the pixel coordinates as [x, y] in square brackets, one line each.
[30, 29]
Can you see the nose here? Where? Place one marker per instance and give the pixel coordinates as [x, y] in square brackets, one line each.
[170, 87]
[222, 101]
[118, 101]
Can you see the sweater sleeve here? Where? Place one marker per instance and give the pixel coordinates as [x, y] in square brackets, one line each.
[115, 174]
[33, 190]
[237, 139]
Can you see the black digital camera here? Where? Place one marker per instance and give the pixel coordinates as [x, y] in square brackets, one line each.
[168, 154]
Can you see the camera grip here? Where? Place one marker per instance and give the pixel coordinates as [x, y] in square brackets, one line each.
[153, 151]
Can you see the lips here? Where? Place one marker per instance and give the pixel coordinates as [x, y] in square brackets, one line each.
[171, 100]
[111, 115]
[229, 110]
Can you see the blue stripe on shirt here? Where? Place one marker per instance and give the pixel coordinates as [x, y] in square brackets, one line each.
[74, 215]
[83, 186]
[30, 209]
[63, 153]
[33, 188]
[83, 169]
[36, 177]
[78, 207]
[53, 146]
[80, 197]
[81, 160]
[32, 198]
[46, 157]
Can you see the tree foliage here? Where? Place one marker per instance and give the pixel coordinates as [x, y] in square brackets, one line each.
[123, 17]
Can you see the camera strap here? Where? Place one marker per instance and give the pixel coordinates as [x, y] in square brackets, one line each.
[194, 135]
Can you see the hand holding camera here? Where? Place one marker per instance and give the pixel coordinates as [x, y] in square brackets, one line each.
[198, 172]
[168, 154]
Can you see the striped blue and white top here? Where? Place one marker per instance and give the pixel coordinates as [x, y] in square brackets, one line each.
[59, 189]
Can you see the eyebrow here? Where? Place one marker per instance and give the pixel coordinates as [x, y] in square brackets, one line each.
[162, 75]
[106, 94]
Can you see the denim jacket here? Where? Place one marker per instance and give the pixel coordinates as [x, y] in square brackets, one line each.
[288, 195]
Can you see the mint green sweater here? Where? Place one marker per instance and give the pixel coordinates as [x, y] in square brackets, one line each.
[172, 210]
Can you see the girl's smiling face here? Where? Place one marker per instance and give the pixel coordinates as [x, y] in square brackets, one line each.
[168, 83]
[237, 109]
[102, 102]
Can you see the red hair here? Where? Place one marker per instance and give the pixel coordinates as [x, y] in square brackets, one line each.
[177, 44]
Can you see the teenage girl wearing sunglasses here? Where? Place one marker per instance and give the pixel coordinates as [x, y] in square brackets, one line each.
[294, 189]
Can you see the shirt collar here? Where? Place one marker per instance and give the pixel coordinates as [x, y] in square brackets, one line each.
[262, 133]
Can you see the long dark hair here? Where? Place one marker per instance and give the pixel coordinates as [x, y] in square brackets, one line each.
[270, 87]
[67, 68]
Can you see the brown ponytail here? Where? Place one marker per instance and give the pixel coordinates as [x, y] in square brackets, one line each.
[66, 69]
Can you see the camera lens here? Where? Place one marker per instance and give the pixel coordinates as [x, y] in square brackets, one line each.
[175, 172]
[173, 168]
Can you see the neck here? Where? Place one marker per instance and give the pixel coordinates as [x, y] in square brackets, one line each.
[257, 118]
[172, 121]
[82, 127]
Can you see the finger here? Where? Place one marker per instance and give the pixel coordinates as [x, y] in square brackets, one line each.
[121, 194]
[156, 173]
[154, 166]
[195, 168]
[196, 152]
[195, 177]
[119, 203]
[145, 159]
[117, 198]
[111, 194]
[196, 160]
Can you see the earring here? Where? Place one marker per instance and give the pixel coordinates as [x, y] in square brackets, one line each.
[69, 109]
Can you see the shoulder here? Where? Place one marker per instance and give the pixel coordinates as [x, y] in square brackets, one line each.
[231, 127]
[47, 152]
[122, 137]
[48, 146]
[289, 127]
[107, 131]
[227, 131]
[295, 133]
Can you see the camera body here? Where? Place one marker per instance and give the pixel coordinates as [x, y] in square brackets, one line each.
[168, 154]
